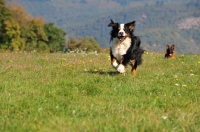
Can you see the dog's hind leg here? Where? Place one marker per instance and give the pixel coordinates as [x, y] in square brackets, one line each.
[134, 66]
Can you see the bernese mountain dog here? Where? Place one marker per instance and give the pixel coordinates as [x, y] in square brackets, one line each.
[127, 50]
[170, 51]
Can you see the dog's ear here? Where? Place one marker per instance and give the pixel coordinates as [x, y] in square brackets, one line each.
[173, 46]
[131, 25]
[167, 46]
[112, 24]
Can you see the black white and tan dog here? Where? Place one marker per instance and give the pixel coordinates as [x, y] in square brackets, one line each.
[170, 51]
[127, 50]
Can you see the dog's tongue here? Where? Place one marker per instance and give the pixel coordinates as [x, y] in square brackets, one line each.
[121, 38]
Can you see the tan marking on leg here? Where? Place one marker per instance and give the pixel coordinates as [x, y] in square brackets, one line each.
[133, 70]
[113, 60]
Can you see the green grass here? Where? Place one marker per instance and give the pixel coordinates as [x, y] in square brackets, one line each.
[79, 92]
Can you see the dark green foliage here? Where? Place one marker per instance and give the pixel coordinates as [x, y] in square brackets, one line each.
[5, 16]
[56, 37]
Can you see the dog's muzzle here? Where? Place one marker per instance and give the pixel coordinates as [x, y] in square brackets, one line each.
[121, 35]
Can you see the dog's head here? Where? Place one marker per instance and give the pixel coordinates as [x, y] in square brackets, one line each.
[170, 51]
[173, 48]
[121, 31]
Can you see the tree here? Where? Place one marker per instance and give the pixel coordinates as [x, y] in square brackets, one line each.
[91, 44]
[56, 37]
[35, 36]
[19, 31]
[12, 36]
[20, 14]
[9, 30]
[2, 2]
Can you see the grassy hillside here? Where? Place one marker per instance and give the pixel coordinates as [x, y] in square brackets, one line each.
[158, 21]
[82, 92]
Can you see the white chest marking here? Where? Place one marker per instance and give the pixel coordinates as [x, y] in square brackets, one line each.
[119, 49]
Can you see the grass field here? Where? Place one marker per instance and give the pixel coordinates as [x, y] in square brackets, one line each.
[82, 92]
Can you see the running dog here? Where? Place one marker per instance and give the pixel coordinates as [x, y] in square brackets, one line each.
[127, 50]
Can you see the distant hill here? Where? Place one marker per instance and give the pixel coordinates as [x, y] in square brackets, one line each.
[158, 22]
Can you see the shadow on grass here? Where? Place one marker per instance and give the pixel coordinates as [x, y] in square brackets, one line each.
[111, 73]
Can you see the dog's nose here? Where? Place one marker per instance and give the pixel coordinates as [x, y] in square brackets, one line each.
[121, 33]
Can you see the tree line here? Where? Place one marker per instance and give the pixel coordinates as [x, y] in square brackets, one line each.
[20, 31]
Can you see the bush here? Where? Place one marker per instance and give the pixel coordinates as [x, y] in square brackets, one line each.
[88, 44]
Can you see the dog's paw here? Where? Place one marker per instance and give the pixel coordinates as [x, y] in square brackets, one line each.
[115, 64]
[121, 68]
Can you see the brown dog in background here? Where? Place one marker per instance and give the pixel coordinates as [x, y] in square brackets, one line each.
[170, 51]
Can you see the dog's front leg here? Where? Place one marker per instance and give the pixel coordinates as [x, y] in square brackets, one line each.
[121, 68]
[114, 62]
